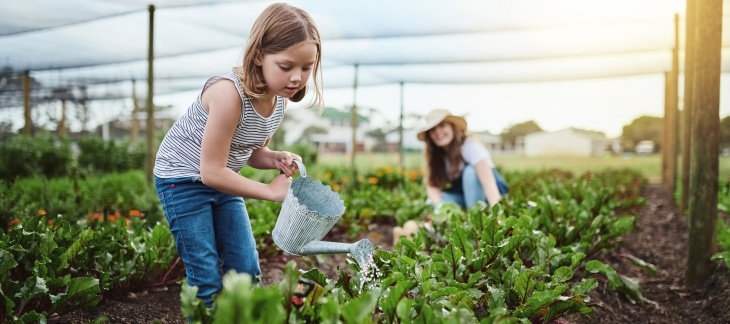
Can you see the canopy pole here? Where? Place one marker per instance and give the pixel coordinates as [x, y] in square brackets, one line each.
[401, 149]
[670, 116]
[27, 129]
[150, 127]
[702, 240]
[135, 122]
[353, 154]
[687, 108]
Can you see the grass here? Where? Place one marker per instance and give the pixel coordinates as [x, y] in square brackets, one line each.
[649, 165]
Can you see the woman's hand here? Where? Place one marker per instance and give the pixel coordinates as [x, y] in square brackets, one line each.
[279, 187]
[284, 161]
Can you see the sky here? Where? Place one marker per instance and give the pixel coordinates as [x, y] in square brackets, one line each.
[529, 48]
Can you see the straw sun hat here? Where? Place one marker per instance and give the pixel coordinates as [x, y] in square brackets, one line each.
[436, 116]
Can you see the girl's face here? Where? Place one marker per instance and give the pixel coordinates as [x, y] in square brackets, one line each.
[442, 134]
[287, 72]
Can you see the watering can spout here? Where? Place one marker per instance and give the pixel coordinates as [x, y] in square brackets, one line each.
[361, 251]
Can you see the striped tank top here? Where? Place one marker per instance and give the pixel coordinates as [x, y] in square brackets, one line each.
[179, 152]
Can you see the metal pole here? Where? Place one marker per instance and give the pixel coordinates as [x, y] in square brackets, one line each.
[135, 123]
[402, 151]
[150, 127]
[354, 127]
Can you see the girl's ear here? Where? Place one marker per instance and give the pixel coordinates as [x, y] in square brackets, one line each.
[297, 97]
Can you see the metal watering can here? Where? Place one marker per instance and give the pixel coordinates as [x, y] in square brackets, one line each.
[307, 214]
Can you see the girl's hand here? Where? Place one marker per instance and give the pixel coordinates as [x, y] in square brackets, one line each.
[280, 187]
[284, 162]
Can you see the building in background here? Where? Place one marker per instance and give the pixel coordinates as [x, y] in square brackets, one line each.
[491, 141]
[566, 142]
[331, 132]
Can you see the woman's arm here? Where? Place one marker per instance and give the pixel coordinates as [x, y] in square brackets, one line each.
[223, 104]
[434, 194]
[489, 183]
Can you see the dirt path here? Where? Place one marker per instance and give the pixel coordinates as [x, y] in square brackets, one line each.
[660, 238]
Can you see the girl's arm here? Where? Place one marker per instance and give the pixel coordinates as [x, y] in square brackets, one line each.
[223, 104]
[489, 183]
[264, 158]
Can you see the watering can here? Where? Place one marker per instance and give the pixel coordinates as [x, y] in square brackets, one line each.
[307, 214]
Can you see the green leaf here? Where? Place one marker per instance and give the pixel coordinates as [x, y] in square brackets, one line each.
[76, 247]
[316, 276]
[525, 284]
[192, 306]
[643, 264]
[404, 310]
[560, 309]
[425, 315]
[562, 274]
[80, 292]
[538, 300]
[7, 262]
[452, 255]
[443, 292]
[576, 258]
[621, 225]
[459, 239]
[496, 298]
[584, 287]
[631, 289]
[360, 310]
[595, 266]
[395, 294]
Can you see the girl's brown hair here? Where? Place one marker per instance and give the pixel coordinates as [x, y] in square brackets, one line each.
[278, 28]
[436, 157]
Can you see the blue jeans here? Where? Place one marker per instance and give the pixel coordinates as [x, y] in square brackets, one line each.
[473, 191]
[212, 233]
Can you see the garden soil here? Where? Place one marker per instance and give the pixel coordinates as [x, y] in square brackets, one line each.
[659, 238]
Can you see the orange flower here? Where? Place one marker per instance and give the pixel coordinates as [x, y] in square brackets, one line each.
[135, 213]
[95, 217]
[41, 212]
[373, 180]
[335, 186]
[13, 222]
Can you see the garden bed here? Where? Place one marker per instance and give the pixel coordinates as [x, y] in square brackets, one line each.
[659, 238]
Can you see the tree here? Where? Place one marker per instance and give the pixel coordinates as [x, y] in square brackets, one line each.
[644, 128]
[510, 135]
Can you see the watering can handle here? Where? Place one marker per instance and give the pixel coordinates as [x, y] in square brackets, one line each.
[302, 169]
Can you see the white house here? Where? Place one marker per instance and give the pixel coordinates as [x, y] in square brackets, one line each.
[491, 141]
[566, 142]
[338, 126]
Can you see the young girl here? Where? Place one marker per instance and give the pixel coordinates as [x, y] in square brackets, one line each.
[459, 168]
[227, 126]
